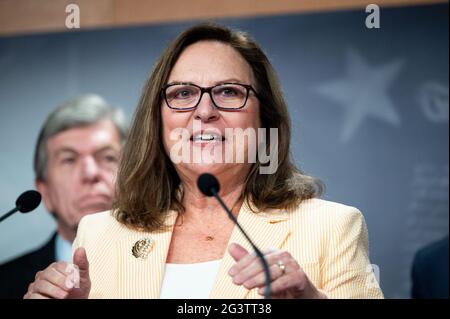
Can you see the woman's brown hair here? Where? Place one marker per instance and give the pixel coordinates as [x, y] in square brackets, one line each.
[147, 183]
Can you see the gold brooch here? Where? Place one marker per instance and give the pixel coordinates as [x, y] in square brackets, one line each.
[142, 247]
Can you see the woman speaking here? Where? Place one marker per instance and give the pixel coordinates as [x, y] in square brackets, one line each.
[213, 104]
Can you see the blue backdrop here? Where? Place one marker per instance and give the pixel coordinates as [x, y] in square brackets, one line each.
[369, 111]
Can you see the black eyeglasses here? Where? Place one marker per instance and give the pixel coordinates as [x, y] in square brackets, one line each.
[225, 96]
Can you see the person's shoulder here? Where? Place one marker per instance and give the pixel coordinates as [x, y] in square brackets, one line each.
[94, 225]
[433, 251]
[16, 274]
[437, 247]
[320, 208]
[331, 221]
[98, 219]
[328, 217]
[17, 263]
[40, 255]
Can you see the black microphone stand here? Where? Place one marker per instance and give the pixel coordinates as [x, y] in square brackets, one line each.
[12, 211]
[267, 294]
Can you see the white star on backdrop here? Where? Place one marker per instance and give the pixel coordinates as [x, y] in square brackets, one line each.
[363, 93]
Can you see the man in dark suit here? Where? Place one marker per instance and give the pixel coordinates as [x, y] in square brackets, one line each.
[430, 271]
[75, 163]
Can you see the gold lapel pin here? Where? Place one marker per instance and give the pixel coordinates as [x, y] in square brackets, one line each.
[142, 247]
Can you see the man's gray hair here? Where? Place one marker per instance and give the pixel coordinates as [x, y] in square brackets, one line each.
[81, 111]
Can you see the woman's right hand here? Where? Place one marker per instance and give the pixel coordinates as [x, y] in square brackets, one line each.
[62, 280]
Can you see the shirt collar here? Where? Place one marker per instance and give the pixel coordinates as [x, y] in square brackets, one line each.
[63, 249]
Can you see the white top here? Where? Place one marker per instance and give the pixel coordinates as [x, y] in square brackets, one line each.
[189, 281]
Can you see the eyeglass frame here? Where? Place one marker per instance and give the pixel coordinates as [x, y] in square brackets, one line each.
[208, 90]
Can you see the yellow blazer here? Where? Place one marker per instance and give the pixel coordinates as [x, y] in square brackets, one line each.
[329, 241]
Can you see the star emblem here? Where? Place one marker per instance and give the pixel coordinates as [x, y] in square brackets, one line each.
[363, 93]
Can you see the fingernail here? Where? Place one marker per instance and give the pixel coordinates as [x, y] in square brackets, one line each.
[232, 271]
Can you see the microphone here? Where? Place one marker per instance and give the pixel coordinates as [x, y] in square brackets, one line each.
[209, 186]
[25, 203]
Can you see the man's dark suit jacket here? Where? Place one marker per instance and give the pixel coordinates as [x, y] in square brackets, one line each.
[17, 274]
[430, 271]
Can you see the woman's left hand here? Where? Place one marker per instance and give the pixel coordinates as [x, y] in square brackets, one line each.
[288, 279]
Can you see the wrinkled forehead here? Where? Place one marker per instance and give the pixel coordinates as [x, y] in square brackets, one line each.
[209, 62]
[85, 139]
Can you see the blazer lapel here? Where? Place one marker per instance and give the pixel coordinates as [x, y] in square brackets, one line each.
[266, 231]
[142, 277]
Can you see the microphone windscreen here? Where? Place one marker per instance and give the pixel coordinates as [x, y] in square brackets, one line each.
[28, 201]
[206, 183]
